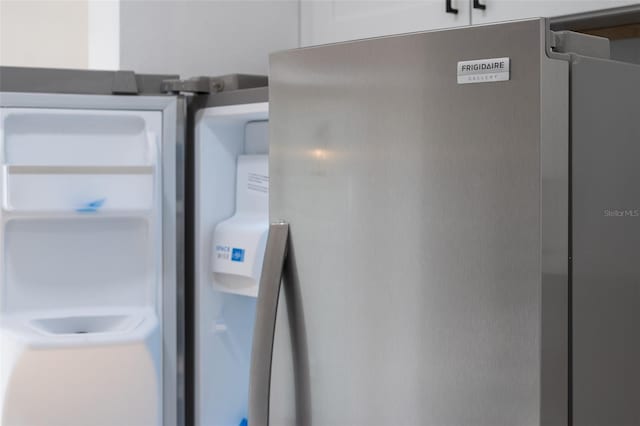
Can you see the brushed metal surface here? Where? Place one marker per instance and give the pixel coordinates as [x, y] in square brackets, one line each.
[180, 261]
[606, 262]
[266, 308]
[415, 214]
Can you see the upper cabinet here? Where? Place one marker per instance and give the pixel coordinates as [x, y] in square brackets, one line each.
[328, 21]
[484, 11]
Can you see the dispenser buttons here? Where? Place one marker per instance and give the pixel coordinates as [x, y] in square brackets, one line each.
[237, 255]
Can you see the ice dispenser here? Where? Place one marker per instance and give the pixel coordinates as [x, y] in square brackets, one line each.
[239, 242]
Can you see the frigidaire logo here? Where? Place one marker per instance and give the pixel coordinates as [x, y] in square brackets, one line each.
[490, 66]
[621, 213]
[484, 70]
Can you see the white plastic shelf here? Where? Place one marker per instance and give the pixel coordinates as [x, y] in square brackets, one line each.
[78, 189]
[77, 137]
[233, 284]
[8, 215]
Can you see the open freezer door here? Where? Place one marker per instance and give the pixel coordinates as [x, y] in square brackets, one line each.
[88, 237]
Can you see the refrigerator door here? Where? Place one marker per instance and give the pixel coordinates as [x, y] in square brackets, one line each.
[88, 248]
[418, 258]
[606, 234]
[228, 205]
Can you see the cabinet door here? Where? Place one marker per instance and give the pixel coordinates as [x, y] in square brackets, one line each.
[507, 10]
[328, 21]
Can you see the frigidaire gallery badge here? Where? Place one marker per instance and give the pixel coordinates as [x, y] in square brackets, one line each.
[484, 70]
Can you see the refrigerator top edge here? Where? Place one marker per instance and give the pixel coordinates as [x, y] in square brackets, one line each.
[97, 82]
[409, 34]
[228, 98]
[73, 81]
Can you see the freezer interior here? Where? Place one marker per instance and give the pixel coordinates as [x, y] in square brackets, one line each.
[231, 214]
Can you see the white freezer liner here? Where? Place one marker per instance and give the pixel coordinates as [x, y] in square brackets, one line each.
[45, 188]
[224, 303]
[86, 378]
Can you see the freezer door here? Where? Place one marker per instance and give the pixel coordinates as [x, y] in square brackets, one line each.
[89, 241]
[418, 261]
[605, 98]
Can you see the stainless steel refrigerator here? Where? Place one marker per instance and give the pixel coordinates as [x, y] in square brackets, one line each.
[456, 224]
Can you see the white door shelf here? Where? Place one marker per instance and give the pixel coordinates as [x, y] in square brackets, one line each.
[78, 189]
[78, 137]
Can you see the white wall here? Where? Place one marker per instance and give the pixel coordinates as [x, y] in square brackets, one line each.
[44, 33]
[187, 37]
[104, 34]
[210, 37]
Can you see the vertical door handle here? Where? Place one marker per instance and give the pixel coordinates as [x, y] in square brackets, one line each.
[265, 323]
[478, 5]
[449, 8]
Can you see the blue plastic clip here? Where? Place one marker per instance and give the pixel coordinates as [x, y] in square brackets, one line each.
[244, 422]
[92, 207]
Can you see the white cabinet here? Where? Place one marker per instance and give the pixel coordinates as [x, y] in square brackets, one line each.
[507, 10]
[327, 21]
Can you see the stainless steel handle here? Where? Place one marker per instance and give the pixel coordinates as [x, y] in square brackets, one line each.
[265, 325]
